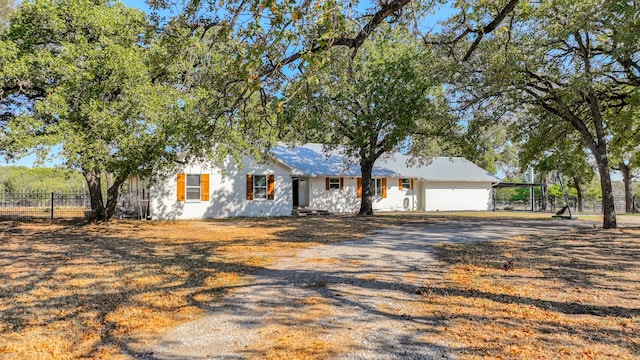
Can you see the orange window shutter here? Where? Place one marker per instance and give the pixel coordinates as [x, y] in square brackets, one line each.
[384, 188]
[181, 187]
[271, 184]
[412, 184]
[326, 183]
[249, 187]
[341, 183]
[400, 183]
[204, 187]
[359, 183]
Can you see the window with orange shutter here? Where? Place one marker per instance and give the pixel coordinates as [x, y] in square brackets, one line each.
[333, 183]
[376, 187]
[260, 187]
[405, 184]
[192, 188]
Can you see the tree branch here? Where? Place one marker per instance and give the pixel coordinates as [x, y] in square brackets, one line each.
[511, 5]
[353, 43]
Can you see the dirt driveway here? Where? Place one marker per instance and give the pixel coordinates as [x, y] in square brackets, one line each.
[350, 300]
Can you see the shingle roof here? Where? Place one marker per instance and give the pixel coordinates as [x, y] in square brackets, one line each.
[311, 160]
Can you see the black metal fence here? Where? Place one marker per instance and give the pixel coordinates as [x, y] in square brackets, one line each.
[41, 204]
[67, 204]
[554, 204]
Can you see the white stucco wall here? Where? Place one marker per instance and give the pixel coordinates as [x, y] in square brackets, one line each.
[395, 200]
[347, 201]
[227, 193]
[457, 196]
[334, 200]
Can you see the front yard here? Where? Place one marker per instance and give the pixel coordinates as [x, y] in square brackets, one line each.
[105, 291]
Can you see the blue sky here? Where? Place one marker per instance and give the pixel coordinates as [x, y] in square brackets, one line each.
[140, 4]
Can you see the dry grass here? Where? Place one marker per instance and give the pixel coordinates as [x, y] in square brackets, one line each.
[571, 296]
[70, 291]
[95, 292]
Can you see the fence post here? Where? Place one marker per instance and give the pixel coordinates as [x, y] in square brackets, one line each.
[52, 205]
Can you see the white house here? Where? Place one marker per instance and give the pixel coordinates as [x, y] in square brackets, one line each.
[305, 176]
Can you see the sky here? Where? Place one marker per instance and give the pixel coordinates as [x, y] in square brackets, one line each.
[140, 4]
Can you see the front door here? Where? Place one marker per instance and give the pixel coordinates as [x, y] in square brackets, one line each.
[296, 193]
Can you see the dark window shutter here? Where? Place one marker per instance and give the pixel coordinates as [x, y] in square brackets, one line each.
[249, 187]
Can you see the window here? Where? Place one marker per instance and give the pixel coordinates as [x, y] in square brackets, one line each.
[405, 184]
[334, 183]
[193, 187]
[376, 187]
[260, 187]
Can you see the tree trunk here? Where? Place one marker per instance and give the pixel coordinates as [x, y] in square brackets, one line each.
[608, 204]
[95, 195]
[112, 197]
[598, 147]
[597, 143]
[579, 205]
[628, 194]
[544, 193]
[366, 204]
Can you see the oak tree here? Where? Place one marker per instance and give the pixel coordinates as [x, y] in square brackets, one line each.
[389, 98]
[75, 78]
[574, 60]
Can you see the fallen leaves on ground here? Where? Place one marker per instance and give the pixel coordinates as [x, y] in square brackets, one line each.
[569, 296]
[105, 291]
[74, 291]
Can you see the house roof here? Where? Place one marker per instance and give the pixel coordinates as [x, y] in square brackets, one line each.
[311, 160]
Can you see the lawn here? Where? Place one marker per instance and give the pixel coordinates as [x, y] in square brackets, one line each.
[104, 291]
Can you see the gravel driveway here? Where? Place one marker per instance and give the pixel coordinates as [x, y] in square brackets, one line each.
[352, 300]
